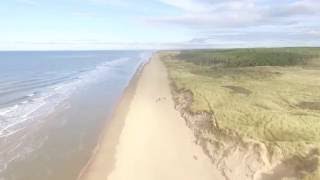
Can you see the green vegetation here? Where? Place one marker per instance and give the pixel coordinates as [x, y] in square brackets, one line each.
[250, 57]
[269, 95]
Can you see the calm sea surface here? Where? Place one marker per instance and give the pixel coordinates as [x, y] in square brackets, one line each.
[53, 106]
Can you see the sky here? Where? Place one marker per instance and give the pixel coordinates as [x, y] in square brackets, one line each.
[157, 24]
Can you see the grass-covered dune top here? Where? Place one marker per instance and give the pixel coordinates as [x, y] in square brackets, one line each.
[251, 57]
[269, 95]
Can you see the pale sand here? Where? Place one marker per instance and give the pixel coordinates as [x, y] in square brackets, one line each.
[155, 143]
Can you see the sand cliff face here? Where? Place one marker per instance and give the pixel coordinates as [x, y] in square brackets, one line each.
[235, 157]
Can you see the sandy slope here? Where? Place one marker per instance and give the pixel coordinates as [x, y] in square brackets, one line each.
[154, 143]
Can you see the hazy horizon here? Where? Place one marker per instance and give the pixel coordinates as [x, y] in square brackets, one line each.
[158, 24]
[155, 50]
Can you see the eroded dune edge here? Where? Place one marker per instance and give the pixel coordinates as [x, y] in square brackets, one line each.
[234, 155]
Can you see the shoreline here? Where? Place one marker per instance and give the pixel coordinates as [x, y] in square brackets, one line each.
[110, 133]
[148, 138]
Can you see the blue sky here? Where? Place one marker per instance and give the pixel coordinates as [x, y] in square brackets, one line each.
[159, 24]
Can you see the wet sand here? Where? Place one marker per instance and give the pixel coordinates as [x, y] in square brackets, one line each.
[147, 138]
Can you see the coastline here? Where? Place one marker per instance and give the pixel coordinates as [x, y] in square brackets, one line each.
[148, 138]
[110, 133]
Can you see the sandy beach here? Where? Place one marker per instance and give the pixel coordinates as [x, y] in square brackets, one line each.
[147, 138]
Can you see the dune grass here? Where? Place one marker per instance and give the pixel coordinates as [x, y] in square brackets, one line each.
[269, 95]
[250, 57]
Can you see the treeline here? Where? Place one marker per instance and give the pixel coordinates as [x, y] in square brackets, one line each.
[250, 57]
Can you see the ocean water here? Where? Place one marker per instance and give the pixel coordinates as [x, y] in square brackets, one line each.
[53, 106]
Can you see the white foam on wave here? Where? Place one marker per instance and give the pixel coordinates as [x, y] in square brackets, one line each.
[40, 104]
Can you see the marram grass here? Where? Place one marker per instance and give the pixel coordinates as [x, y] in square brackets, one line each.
[278, 104]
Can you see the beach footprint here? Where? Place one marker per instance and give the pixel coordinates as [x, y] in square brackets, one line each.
[160, 99]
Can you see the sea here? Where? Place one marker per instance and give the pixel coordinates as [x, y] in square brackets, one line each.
[54, 105]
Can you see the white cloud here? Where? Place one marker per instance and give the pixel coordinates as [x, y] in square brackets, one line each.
[203, 6]
[211, 23]
[256, 22]
[315, 33]
[231, 13]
